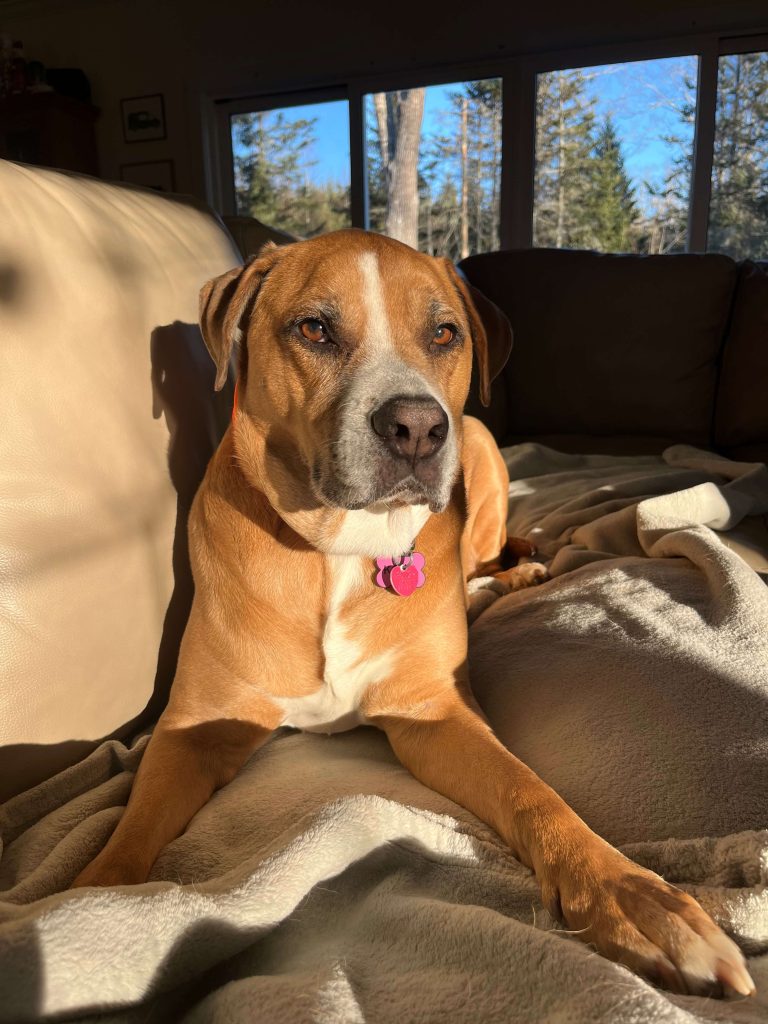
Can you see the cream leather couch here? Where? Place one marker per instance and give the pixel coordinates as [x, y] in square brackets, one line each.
[106, 384]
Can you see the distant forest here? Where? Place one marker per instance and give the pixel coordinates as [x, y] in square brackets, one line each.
[440, 190]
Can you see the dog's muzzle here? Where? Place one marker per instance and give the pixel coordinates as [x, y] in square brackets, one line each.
[393, 440]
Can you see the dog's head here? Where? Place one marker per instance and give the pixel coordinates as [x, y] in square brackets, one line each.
[356, 355]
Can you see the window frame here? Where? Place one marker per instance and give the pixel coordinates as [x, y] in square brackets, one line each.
[518, 76]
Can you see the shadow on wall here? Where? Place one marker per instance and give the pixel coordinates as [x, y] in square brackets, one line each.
[182, 378]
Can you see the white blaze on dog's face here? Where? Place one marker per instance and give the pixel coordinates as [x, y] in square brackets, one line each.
[357, 361]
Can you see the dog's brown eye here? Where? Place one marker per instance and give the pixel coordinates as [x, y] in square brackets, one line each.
[444, 334]
[314, 330]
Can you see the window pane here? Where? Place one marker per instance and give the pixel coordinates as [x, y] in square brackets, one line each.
[614, 156]
[738, 211]
[434, 166]
[292, 167]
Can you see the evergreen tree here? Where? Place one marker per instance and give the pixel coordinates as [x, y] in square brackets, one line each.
[483, 100]
[446, 221]
[738, 219]
[610, 206]
[738, 213]
[272, 176]
[564, 124]
[665, 228]
[461, 168]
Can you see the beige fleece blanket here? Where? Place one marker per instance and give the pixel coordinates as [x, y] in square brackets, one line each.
[325, 884]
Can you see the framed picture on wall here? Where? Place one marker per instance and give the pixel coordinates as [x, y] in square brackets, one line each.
[156, 174]
[143, 118]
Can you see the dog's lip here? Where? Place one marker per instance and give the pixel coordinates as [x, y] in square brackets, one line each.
[406, 492]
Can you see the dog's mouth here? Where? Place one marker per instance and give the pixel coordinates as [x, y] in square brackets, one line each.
[333, 491]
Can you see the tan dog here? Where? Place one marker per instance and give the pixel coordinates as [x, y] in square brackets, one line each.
[349, 445]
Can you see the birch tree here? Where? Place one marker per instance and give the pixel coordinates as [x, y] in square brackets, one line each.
[399, 116]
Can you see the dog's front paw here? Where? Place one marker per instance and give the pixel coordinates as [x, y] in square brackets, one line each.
[636, 918]
[521, 576]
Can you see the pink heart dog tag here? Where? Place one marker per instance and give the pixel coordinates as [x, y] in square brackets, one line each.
[403, 579]
[401, 575]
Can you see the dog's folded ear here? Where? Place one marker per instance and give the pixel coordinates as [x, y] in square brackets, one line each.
[226, 303]
[491, 331]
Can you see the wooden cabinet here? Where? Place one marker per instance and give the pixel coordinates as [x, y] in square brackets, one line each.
[49, 130]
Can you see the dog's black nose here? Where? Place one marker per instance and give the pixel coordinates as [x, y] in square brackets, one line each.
[412, 428]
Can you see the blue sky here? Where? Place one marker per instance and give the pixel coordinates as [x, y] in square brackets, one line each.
[642, 97]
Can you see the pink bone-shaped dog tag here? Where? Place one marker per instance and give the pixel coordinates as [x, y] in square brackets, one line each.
[401, 575]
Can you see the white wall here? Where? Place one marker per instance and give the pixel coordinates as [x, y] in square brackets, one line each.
[188, 49]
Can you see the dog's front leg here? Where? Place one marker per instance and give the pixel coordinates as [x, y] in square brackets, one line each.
[183, 764]
[630, 914]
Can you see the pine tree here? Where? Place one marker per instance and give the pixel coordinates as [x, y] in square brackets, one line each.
[461, 166]
[738, 220]
[484, 163]
[610, 202]
[665, 228]
[272, 176]
[738, 213]
[564, 123]
[446, 221]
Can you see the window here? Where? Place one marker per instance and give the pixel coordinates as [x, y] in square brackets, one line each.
[738, 212]
[614, 156]
[665, 152]
[292, 167]
[433, 161]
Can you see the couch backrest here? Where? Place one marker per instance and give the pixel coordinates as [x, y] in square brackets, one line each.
[109, 419]
[608, 345]
[250, 235]
[741, 415]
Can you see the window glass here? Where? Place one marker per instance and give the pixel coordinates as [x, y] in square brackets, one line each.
[614, 156]
[434, 166]
[292, 167]
[738, 211]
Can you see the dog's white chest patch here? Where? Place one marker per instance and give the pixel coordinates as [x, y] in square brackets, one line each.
[379, 530]
[349, 669]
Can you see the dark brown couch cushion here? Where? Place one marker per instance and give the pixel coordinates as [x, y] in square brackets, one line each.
[589, 444]
[747, 452]
[741, 416]
[608, 345]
